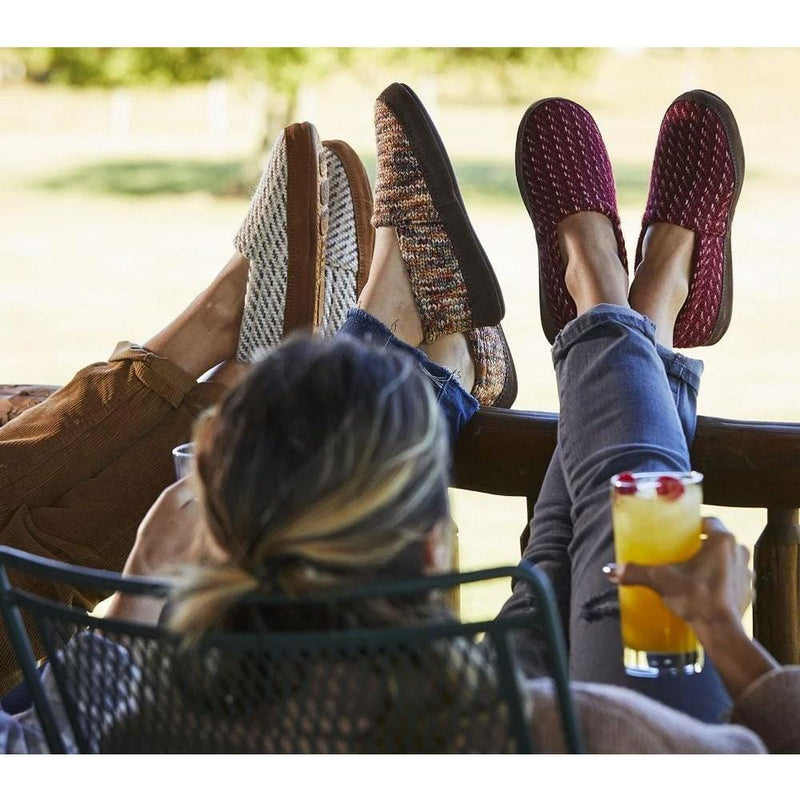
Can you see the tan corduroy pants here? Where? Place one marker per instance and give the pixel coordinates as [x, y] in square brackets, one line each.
[79, 471]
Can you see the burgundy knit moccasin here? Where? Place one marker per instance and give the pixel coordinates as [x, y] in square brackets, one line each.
[416, 192]
[695, 182]
[562, 168]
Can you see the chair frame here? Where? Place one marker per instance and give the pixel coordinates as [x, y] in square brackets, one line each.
[13, 600]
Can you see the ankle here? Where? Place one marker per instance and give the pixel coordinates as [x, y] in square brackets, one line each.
[593, 271]
[221, 305]
[595, 280]
[452, 352]
[661, 284]
[388, 295]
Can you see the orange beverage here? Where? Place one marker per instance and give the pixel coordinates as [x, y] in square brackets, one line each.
[656, 520]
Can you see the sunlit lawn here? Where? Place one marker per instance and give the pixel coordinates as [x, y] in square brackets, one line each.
[107, 230]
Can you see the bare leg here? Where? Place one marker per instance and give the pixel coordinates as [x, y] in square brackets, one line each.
[207, 332]
[594, 272]
[388, 297]
[661, 284]
[229, 373]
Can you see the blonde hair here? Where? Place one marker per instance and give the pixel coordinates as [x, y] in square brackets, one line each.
[328, 463]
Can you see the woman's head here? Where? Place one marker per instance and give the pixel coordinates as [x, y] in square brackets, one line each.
[329, 460]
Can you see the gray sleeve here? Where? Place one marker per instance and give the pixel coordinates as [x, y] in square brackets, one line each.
[770, 706]
[617, 720]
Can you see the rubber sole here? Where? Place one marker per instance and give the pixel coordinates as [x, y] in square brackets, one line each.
[306, 227]
[361, 193]
[508, 395]
[725, 115]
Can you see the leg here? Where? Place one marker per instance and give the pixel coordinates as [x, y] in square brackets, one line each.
[107, 407]
[547, 548]
[618, 413]
[80, 470]
[551, 528]
[387, 314]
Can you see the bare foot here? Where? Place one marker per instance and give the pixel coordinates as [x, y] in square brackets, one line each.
[452, 352]
[207, 331]
[594, 273]
[387, 295]
[661, 284]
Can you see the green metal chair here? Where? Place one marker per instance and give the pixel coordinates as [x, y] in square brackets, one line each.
[433, 684]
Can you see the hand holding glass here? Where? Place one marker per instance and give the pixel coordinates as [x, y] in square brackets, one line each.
[656, 519]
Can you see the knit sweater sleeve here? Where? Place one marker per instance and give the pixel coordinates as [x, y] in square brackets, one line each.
[770, 706]
[617, 720]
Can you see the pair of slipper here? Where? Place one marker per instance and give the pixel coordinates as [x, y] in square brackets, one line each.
[307, 237]
[563, 168]
[309, 241]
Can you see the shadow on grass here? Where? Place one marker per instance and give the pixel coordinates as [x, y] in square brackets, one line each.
[489, 181]
[495, 182]
[141, 178]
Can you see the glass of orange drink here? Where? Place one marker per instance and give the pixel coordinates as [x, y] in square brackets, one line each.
[656, 517]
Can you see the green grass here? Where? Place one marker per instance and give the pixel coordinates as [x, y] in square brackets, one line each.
[487, 181]
[148, 177]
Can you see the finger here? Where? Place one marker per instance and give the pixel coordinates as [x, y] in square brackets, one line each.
[178, 494]
[610, 571]
[718, 537]
[662, 578]
[714, 527]
[744, 554]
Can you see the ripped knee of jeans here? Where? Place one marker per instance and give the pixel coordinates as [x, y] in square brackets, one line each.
[602, 606]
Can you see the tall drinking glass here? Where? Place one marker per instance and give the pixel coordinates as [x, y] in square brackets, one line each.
[656, 520]
[183, 456]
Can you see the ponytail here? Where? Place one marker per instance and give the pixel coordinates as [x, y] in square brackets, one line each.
[205, 596]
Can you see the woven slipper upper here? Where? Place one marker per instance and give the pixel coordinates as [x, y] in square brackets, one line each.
[403, 200]
[562, 168]
[262, 239]
[495, 376]
[341, 248]
[267, 240]
[693, 184]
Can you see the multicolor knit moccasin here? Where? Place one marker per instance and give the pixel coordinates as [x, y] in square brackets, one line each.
[283, 237]
[495, 375]
[695, 182]
[416, 193]
[562, 168]
[351, 237]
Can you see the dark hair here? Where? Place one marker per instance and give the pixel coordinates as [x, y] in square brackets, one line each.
[328, 462]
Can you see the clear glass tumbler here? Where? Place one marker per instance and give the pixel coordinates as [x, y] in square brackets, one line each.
[656, 517]
[183, 456]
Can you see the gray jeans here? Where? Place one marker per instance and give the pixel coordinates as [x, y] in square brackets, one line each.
[627, 404]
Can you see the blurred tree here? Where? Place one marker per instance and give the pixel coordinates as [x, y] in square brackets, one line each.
[282, 69]
[496, 73]
[490, 73]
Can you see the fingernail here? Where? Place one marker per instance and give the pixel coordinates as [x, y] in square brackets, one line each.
[610, 571]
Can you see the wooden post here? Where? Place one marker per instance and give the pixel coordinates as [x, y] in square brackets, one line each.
[454, 594]
[776, 606]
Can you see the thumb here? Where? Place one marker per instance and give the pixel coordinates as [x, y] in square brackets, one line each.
[661, 578]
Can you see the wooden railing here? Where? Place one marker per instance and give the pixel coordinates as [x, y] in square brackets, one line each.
[745, 464]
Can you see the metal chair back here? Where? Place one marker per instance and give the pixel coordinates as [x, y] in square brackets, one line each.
[293, 676]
